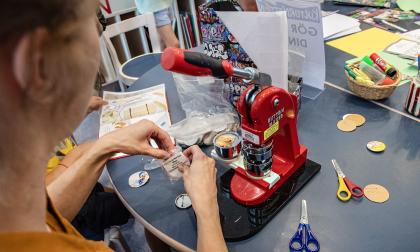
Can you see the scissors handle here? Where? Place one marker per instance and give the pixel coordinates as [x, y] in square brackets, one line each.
[356, 191]
[304, 240]
[312, 244]
[343, 193]
[297, 244]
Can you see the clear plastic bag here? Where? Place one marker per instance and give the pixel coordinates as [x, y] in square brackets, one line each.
[201, 94]
[201, 128]
[207, 111]
[170, 166]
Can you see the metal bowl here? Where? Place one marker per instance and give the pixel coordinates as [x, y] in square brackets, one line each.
[230, 152]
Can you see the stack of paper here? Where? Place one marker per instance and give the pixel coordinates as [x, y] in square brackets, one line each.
[412, 35]
[337, 25]
[404, 48]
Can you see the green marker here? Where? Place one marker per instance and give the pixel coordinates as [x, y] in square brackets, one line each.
[350, 72]
[356, 77]
[368, 61]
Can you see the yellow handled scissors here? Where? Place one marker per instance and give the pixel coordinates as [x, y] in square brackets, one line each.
[346, 188]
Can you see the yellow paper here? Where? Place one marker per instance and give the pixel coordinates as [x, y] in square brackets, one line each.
[365, 42]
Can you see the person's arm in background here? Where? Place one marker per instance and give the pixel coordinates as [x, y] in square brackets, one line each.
[67, 161]
[95, 104]
[69, 191]
[248, 5]
[200, 184]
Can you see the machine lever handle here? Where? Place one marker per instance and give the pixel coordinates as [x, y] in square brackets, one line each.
[194, 63]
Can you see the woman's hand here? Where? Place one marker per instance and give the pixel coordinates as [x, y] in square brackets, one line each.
[135, 139]
[200, 182]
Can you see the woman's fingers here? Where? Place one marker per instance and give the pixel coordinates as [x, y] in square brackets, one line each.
[162, 138]
[156, 153]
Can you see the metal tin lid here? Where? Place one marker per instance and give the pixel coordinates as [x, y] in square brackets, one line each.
[183, 201]
[138, 179]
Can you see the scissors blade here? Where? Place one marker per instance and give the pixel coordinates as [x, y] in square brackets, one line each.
[337, 168]
[304, 213]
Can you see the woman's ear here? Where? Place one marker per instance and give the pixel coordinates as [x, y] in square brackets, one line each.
[28, 62]
[19, 61]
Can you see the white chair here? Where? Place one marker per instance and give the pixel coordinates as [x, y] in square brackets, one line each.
[120, 28]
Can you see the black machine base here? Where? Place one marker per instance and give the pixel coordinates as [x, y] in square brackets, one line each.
[240, 222]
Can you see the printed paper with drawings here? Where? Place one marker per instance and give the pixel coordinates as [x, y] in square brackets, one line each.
[412, 35]
[127, 108]
[404, 48]
[379, 3]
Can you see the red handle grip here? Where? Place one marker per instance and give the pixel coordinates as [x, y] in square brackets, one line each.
[194, 63]
[355, 190]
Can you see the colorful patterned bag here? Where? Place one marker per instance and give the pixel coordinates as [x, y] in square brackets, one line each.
[220, 43]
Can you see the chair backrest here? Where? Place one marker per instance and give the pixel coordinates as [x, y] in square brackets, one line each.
[137, 22]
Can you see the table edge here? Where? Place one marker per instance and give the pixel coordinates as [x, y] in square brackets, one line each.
[165, 238]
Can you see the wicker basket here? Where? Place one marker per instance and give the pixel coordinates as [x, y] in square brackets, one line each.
[375, 92]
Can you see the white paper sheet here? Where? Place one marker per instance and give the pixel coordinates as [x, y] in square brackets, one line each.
[304, 22]
[263, 35]
[337, 23]
[127, 108]
[404, 48]
[414, 35]
[344, 33]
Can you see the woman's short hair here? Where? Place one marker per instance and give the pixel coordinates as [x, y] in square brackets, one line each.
[20, 16]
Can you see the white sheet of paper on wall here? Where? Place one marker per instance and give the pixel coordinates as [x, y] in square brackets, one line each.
[263, 39]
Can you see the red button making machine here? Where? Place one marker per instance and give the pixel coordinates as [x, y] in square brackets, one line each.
[275, 164]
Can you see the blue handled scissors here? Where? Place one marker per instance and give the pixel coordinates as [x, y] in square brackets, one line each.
[304, 239]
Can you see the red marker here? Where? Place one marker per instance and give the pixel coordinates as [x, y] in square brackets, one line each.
[387, 68]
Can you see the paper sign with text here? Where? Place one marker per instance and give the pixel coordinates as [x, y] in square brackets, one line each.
[305, 35]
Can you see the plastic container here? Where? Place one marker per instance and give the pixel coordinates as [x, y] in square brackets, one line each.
[172, 164]
[375, 75]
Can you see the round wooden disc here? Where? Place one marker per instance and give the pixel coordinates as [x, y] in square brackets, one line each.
[346, 126]
[376, 193]
[359, 120]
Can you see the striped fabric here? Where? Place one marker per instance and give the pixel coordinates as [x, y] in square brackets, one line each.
[412, 105]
